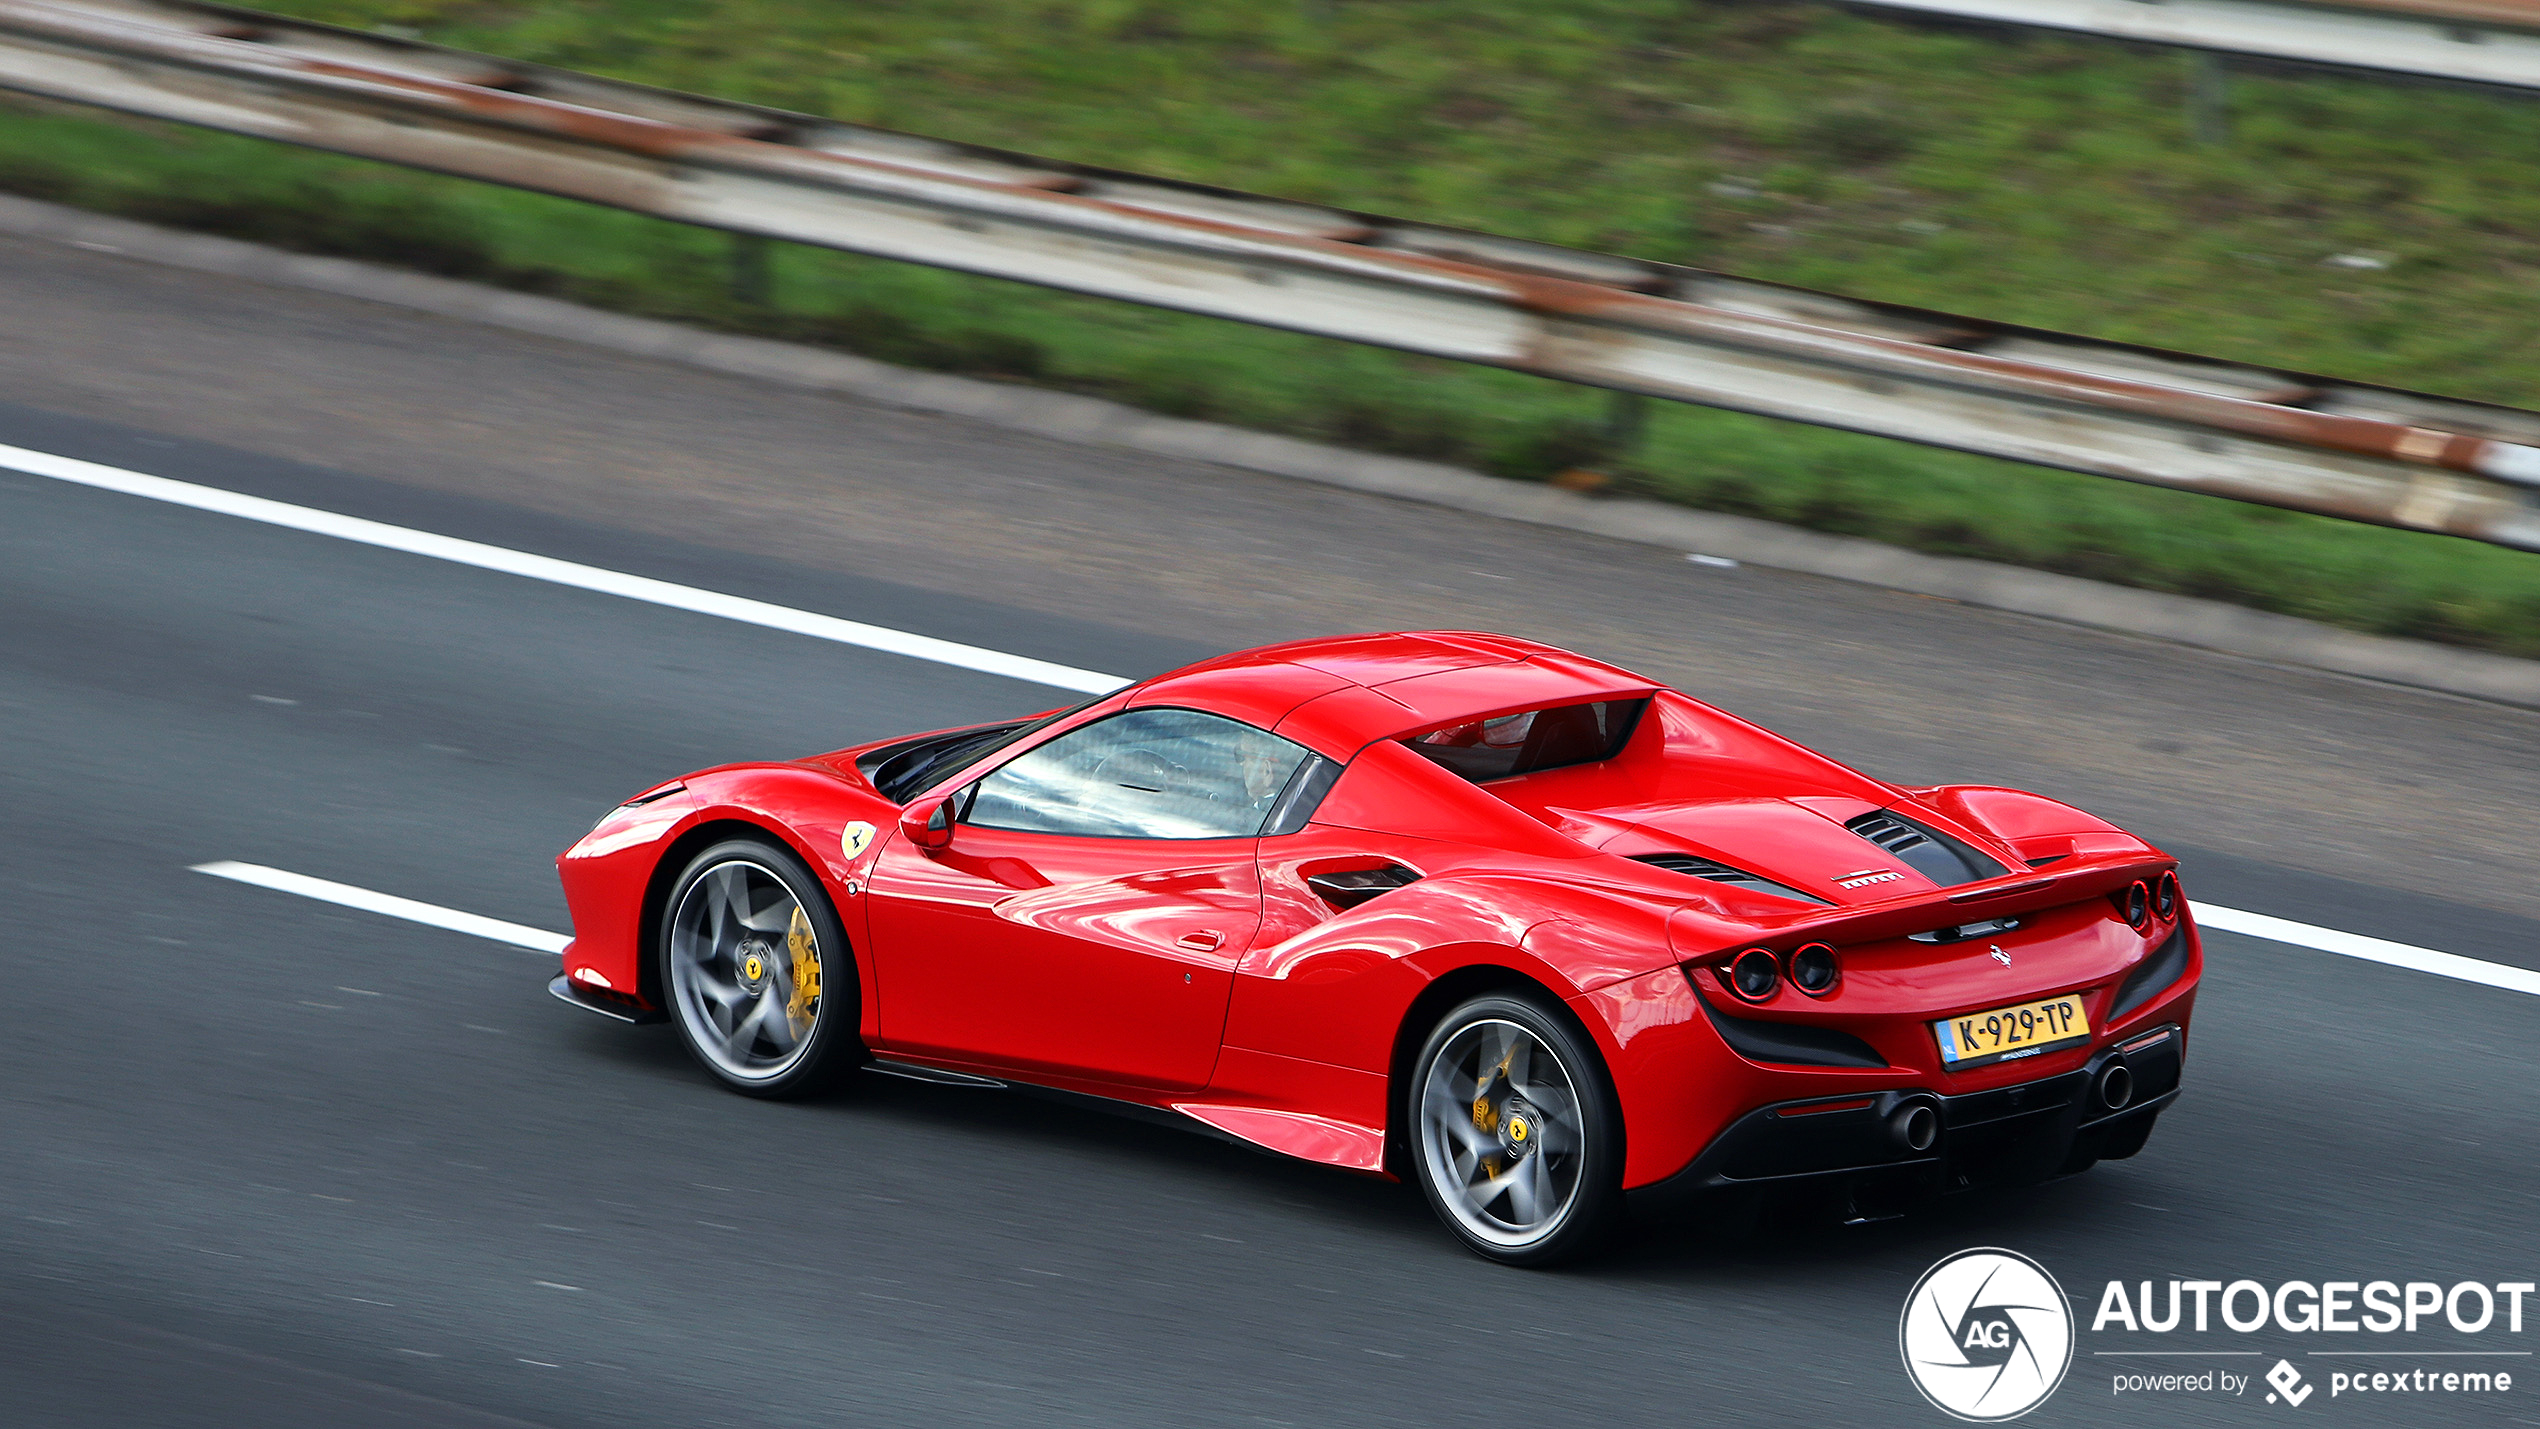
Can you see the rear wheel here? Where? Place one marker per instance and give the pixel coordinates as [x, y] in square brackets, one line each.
[1516, 1142]
[757, 973]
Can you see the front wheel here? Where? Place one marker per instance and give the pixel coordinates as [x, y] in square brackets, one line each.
[757, 971]
[1516, 1142]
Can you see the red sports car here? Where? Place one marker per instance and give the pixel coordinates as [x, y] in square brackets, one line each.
[1539, 933]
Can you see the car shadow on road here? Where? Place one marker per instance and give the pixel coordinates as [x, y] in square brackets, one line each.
[1735, 1246]
[994, 1132]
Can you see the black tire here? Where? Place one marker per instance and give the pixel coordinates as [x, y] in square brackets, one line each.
[1469, 1121]
[730, 927]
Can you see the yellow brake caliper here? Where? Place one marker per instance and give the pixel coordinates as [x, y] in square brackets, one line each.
[806, 955]
[1486, 1116]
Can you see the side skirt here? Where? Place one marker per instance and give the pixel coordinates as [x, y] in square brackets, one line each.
[1290, 1136]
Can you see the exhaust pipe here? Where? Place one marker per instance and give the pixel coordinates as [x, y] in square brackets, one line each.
[2116, 1087]
[1915, 1126]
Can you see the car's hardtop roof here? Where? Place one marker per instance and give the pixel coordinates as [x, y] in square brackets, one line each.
[1339, 693]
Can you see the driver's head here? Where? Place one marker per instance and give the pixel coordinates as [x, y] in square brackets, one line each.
[1261, 774]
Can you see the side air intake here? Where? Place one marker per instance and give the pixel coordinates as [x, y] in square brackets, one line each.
[1350, 888]
[1947, 862]
[1710, 872]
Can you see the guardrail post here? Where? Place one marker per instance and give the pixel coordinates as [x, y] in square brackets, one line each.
[2209, 97]
[752, 282]
[1626, 417]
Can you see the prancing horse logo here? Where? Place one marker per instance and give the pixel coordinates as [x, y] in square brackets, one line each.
[2000, 956]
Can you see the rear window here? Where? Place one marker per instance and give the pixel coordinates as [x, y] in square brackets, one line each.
[1534, 740]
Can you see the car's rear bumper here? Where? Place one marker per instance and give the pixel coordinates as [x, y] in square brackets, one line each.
[2022, 1132]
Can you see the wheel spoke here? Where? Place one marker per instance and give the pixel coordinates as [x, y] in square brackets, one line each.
[740, 1042]
[722, 1017]
[779, 1028]
[1490, 1188]
[777, 917]
[1552, 1137]
[778, 996]
[1453, 1117]
[720, 992]
[725, 895]
[1555, 1103]
[1525, 1191]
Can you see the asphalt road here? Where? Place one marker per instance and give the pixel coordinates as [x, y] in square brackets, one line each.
[268, 1161]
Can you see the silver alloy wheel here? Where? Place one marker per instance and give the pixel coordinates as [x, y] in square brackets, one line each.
[745, 970]
[1500, 1133]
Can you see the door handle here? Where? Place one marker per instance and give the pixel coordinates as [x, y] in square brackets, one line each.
[1202, 941]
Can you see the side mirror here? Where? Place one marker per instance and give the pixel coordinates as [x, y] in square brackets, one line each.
[928, 823]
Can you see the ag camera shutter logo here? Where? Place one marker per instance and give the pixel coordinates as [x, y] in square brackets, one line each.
[1986, 1335]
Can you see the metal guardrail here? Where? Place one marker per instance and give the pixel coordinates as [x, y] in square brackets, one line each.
[2252, 434]
[2482, 41]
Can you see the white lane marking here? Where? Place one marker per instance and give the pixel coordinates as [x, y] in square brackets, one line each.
[564, 573]
[537, 940]
[2371, 950]
[2208, 915]
[896, 642]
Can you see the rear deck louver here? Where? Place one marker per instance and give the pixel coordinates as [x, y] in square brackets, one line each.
[1705, 869]
[1888, 832]
[1926, 850]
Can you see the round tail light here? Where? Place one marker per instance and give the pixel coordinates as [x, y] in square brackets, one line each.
[2136, 903]
[2165, 896]
[1755, 974]
[1813, 968]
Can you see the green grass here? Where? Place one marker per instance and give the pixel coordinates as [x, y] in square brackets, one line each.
[2035, 180]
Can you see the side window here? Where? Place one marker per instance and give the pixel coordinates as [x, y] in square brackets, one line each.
[1143, 774]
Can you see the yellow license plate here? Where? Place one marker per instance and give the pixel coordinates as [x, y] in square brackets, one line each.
[2022, 1030]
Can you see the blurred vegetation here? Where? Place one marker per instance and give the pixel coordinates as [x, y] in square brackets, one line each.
[2367, 228]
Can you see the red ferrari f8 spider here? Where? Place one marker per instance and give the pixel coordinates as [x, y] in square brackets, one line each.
[1538, 933]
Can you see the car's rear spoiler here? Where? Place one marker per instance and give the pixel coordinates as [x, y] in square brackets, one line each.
[1697, 935]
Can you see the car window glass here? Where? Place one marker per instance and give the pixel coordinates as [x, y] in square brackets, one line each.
[1536, 739]
[901, 771]
[1144, 774]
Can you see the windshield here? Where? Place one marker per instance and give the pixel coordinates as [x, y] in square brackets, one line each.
[900, 772]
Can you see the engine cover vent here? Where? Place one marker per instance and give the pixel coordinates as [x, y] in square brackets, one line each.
[1705, 869]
